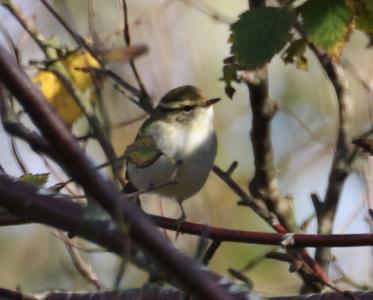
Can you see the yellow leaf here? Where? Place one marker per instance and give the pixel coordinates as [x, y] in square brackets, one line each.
[80, 59]
[55, 92]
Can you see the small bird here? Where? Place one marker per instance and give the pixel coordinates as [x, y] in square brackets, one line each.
[182, 128]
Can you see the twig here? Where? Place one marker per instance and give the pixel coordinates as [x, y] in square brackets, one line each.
[14, 128]
[66, 239]
[171, 180]
[256, 260]
[249, 201]
[120, 81]
[208, 11]
[17, 156]
[43, 44]
[82, 266]
[94, 124]
[214, 246]
[77, 38]
[303, 125]
[129, 122]
[61, 185]
[270, 219]
[11, 43]
[144, 99]
[346, 278]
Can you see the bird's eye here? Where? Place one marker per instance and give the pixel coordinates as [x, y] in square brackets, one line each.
[187, 108]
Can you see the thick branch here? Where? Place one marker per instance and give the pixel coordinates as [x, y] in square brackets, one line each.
[264, 185]
[160, 293]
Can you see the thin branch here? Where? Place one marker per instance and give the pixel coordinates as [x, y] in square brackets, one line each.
[129, 122]
[256, 260]
[80, 264]
[169, 181]
[208, 11]
[246, 199]
[94, 125]
[14, 9]
[266, 238]
[270, 219]
[77, 38]
[303, 125]
[144, 99]
[209, 254]
[66, 239]
[14, 128]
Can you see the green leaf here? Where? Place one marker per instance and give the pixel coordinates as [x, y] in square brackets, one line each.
[294, 53]
[143, 152]
[38, 180]
[259, 34]
[363, 10]
[229, 75]
[327, 24]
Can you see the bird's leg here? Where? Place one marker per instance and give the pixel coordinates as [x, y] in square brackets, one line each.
[131, 191]
[181, 219]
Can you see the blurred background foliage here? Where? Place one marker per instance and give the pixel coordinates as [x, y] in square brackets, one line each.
[188, 40]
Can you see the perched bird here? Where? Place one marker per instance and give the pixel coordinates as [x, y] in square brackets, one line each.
[182, 128]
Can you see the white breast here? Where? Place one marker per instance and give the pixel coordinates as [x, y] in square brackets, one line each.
[194, 144]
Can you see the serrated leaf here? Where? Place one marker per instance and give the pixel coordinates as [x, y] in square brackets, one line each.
[38, 180]
[259, 34]
[294, 53]
[327, 24]
[143, 152]
[363, 10]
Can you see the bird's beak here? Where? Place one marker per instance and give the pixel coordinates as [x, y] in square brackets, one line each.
[212, 101]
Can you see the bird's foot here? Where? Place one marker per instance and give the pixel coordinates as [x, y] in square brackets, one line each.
[179, 223]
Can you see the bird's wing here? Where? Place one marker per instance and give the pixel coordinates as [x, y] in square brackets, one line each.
[145, 139]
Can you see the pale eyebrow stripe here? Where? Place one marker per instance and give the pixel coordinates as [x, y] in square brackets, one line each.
[178, 105]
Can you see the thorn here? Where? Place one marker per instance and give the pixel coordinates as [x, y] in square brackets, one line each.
[232, 168]
[317, 204]
[370, 212]
[241, 277]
